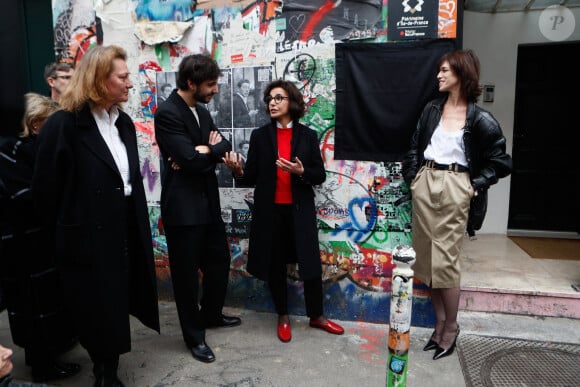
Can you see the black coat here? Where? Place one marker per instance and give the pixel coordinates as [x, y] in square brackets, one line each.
[80, 191]
[260, 171]
[29, 279]
[190, 195]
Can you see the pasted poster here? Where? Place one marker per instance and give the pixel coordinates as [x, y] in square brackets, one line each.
[76, 29]
[448, 18]
[412, 20]
[238, 109]
[166, 82]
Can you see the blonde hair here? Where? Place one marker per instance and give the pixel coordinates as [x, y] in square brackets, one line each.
[88, 80]
[37, 109]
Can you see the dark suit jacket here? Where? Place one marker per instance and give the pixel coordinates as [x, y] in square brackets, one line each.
[241, 114]
[79, 189]
[190, 195]
[260, 171]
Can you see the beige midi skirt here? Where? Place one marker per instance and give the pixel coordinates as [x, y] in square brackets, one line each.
[440, 201]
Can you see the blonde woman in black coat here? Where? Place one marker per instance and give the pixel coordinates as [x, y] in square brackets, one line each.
[283, 164]
[88, 182]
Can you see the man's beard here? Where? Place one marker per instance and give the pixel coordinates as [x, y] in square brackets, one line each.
[202, 97]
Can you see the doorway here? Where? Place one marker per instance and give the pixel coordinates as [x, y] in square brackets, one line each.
[544, 194]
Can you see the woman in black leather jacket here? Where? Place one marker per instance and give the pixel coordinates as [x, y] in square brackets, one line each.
[457, 151]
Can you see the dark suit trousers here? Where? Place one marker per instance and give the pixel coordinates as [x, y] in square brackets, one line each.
[284, 252]
[193, 248]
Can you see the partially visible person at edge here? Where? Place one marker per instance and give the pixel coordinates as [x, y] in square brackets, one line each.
[58, 76]
[28, 276]
[5, 366]
[283, 164]
[88, 183]
[191, 146]
[457, 151]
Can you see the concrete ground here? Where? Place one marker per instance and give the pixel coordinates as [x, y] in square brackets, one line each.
[252, 355]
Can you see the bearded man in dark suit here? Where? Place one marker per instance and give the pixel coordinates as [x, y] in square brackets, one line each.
[191, 146]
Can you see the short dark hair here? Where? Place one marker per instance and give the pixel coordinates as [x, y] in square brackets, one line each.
[166, 85]
[197, 68]
[465, 65]
[51, 69]
[297, 106]
[242, 81]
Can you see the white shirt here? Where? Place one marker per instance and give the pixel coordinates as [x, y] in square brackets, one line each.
[289, 126]
[446, 147]
[194, 111]
[110, 133]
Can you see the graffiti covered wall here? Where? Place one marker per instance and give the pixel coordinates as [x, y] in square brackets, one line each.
[363, 207]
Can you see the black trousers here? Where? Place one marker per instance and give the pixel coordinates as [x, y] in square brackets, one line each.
[284, 252]
[193, 248]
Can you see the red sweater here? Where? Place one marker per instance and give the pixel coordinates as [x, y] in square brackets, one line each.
[283, 193]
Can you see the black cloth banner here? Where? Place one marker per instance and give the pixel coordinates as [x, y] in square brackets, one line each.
[381, 89]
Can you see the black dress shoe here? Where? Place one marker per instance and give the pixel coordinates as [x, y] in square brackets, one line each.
[431, 344]
[54, 370]
[440, 352]
[102, 381]
[223, 321]
[69, 345]
[202, 353]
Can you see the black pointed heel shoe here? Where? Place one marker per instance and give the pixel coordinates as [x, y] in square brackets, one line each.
[440, 352]
[431, 344]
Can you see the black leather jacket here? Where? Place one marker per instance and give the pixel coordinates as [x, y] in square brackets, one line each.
[483, 142]
[484, 147]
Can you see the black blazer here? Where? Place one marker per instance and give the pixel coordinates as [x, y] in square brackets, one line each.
[189, 195]
[79, 190]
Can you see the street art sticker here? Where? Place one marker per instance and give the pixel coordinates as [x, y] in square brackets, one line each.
[166, 10]
[159, 244]
[76, 29]
[238, 45]
[310, 22]
[149, 161]
[447, 26]
[148, 86]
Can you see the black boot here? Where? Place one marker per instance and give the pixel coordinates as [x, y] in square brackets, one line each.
[105, 371]
[53, 369]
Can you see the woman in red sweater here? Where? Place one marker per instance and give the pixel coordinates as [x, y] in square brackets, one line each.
[283, 165]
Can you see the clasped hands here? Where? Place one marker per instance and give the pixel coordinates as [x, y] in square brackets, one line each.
[233, 161]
